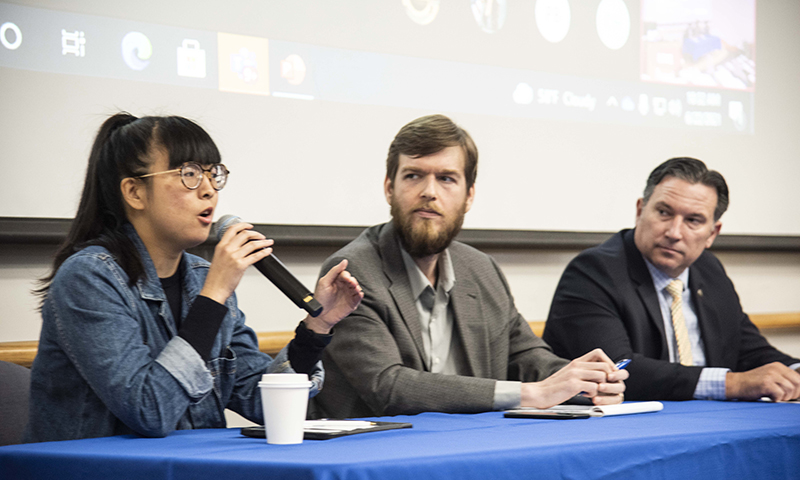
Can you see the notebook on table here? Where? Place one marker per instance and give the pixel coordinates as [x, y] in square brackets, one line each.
[585, 411]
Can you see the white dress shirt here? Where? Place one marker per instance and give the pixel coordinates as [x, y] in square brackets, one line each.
[711, 384]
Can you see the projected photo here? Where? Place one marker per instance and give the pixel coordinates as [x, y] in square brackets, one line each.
[709, 43]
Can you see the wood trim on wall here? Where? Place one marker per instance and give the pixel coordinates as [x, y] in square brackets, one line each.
[22, 353]
[52, 231]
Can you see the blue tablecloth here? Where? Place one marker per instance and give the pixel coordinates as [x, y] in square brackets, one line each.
[686, 440]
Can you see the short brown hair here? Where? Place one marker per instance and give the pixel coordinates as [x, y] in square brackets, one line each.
[429, 135]
[693, 171]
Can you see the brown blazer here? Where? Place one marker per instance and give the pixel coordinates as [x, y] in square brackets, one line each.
[375, 365]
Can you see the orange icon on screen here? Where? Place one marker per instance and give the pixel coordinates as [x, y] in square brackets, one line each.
[243, 64]
[293, 69]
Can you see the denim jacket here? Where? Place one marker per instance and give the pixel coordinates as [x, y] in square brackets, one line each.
[110, 361]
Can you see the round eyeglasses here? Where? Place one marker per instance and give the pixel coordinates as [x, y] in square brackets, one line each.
[192, 175]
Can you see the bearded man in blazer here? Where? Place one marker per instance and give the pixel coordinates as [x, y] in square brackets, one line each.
[615, 297]
[437, 329]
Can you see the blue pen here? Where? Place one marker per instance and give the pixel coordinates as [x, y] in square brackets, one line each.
[623, 363]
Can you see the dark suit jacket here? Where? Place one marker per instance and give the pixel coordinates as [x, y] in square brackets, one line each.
[375, 363]
[606, 299]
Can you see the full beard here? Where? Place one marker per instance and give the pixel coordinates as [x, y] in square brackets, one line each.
[424, 239]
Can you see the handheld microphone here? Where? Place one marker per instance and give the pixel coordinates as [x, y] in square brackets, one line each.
[276, 272]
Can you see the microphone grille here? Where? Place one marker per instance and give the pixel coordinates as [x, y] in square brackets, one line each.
[224, 223]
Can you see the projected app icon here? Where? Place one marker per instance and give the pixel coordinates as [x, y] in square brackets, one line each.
[490, 14]
[644, 106]
[243, 64]
[628, 104]
[73, 43]
[612, 102]
[553, 18]
[422, 12]
[191, 59]
[523, 94]
[10, 36]
[675, 107]
[136, 50]
[659, 106]
[293, 69]
[736, 113]
[613, 23]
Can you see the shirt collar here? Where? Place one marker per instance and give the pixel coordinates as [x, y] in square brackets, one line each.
[149, 284]
[661, 279]
[419, 281]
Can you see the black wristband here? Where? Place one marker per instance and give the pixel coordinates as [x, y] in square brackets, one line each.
[201, 325]
[306, 348]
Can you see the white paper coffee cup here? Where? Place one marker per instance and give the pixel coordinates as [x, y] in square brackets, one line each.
[284, 400]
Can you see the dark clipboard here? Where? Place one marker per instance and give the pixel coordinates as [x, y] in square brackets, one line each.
[545, 415]
[258, 431]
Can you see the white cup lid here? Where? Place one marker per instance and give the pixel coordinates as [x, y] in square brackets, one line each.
[285, 386]
[284, 379]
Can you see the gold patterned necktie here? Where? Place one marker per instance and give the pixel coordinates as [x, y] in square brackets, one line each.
[675, 288]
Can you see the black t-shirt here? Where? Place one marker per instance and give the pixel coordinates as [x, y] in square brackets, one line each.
[205, 316]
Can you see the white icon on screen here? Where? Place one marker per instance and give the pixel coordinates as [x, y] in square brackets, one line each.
[612, 102]
[191, 59]
[523, 94]
[675, 107]
[613, 23]
[644, 106]
[293, 69]
[628, 104]
[659, 106]
[736, 113]
[73, 43]
[490, 14]
[422, 12]
[136, 50]
[14, 43]
[553, 18]
[244, 65]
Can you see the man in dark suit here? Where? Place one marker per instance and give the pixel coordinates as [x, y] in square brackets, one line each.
[437, 329]
[656, 295]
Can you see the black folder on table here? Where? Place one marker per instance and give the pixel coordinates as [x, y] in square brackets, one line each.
[311, 433]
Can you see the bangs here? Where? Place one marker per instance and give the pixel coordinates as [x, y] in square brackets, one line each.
[185, 141]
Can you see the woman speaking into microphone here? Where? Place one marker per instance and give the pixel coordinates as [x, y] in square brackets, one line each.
[139, 336]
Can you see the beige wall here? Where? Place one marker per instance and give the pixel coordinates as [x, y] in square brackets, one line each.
[766, 282]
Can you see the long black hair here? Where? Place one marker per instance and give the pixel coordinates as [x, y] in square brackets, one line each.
[122, 149]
